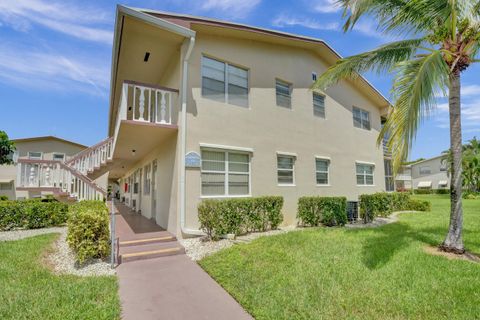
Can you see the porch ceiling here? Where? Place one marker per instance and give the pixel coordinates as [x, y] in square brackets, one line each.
[136, 39]
[141, 137]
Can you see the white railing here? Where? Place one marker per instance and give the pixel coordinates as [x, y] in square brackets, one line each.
[386, 152]
[57, 177]
[92, 158]
[146, 103]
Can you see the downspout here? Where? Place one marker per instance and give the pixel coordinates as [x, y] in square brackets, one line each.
[183, 141]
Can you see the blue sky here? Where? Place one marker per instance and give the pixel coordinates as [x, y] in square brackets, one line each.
[55, 61]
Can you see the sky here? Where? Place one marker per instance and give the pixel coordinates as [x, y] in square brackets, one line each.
[55, 60]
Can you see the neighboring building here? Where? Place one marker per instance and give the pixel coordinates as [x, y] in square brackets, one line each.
[206, 109]
[48, 148]
[426, 174]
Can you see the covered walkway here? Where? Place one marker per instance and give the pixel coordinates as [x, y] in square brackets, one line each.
[168, 287]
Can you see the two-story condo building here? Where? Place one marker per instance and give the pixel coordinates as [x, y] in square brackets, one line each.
[201, 109]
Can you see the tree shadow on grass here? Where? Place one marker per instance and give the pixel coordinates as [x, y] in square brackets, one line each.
[386, 241]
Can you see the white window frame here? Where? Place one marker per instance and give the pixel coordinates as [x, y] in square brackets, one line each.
[328, 184]
[6, 186]
[362, 112]
[324, 105]
[226, 173]
[290, 92]
[58, 154]
[364, 174]
[35, 158]
[287, 155]
[225, 72]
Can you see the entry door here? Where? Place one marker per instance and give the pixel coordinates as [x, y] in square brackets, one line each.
[153, 190]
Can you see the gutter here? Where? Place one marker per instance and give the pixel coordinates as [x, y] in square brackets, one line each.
[183, 141]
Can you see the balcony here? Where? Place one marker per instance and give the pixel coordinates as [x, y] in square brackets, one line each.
[386, 152]
[147, 116]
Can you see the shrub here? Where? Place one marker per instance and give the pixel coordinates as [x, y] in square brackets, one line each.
[442, 191]
[418, 205]
[422, 191]
[31, 214]
[88, 230]
[330, 211]
[383, 204]
[3, 198]
[237, 216]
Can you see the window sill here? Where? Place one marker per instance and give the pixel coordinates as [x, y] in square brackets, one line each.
[323, 185]
[226, 196]
[365, 185]
[286, 185]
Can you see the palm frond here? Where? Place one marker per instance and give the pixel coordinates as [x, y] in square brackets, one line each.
[378, 60]
[415, 84]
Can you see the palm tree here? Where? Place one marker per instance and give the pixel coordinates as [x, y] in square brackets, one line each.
[442, 42]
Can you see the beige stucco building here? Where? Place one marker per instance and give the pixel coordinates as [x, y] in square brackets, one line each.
[207, 109]
[47, 148]
[426, 174]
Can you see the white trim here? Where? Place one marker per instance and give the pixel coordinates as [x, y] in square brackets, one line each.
[294, 156]
[365, 162]
[328, 171]
[226, 196]
[290, 154]
[323, 158]
[224, 147]
[59, 153]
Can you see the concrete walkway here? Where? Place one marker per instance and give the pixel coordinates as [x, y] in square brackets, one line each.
[169, 287]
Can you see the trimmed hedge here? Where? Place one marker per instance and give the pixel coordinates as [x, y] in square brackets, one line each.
[330, 211]
[423, 191]
[88, 230]
[32, 214]
[239, 216]
[3, 198]
[383, 204]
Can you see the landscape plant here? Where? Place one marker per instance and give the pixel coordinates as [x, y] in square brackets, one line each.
[443, 40]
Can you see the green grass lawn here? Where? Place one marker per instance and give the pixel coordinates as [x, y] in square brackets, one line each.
[338, 273]
[28, 290]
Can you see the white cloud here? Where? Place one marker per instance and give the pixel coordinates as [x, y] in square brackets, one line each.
[51, 71]
[78, 21]
[232, 8]
[285, 21]
[470, 90]
[326, 6]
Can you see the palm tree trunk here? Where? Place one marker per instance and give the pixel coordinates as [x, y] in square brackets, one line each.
[453, 242]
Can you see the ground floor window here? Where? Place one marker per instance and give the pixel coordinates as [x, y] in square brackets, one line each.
[322, 168]
[225, 173]
[365, 174]
[285, 169]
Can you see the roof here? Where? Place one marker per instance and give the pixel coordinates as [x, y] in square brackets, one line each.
[185, 20]
[50, 138]
[443, 155]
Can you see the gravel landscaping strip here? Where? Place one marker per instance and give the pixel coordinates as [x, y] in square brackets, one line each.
[377, 222]
[62, 259]
[198, 248]
[22, 234]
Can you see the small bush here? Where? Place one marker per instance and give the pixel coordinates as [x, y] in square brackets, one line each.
[330, 211]
[88, 230]
[32, 214]
[418, 205]
[382, 204]
[442, 191]
[238, 216]
[422, 191]
[469, 195]
[3, 198]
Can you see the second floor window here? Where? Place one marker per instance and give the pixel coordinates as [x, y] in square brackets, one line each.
[224, 82]
[35, 155]
[58, 156]
[283, 92]
[425, 170]
[361, 118]
[318, 105]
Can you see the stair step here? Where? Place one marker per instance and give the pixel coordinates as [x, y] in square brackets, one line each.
[149, 251]
[146, 241]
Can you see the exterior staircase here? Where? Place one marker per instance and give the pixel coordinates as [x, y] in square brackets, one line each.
[68, 181]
